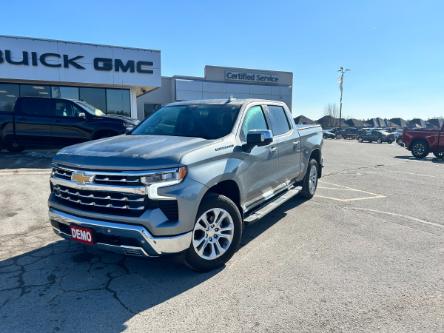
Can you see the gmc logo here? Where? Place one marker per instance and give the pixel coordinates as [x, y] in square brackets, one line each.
[56, 60]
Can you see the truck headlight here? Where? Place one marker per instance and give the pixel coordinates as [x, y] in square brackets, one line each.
[175, 175]
[162, 178]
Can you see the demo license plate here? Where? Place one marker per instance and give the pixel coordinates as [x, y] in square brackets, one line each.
[81, 234]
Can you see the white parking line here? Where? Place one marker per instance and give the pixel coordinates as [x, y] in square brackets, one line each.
[353, 199]
[370, 195]
[407, 217]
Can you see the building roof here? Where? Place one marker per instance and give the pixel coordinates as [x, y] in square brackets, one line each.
[416, 122]
[435, 123]
[355, 122]
[399, 122]
[302, 120]
[329, 121]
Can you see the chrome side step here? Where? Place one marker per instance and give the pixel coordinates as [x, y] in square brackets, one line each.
[272, 204]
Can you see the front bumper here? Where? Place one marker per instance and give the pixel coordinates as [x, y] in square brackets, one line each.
[119, 237]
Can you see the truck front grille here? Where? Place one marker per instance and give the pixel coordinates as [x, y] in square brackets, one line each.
[116, 193]
[101, 177]
[111, 200]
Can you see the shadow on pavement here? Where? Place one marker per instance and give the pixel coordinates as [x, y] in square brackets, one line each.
[427, 159]
[28, 159]
[68, 287]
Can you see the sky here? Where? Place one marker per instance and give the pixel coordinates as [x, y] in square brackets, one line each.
[394, 48]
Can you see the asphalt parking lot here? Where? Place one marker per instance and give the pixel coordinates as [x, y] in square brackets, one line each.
[366, 254]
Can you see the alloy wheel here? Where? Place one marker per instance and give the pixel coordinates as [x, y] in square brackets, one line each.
[313, 179]
[213, 233]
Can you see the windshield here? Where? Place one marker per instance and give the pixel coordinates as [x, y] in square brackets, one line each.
[207, 121]
[90, 108]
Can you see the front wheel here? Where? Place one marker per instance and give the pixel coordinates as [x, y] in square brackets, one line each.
[379, 141]
[439, 155]
[216, 234]
[310, 182]
[420, 149]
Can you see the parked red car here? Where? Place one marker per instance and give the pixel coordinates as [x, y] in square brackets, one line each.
[423, 141]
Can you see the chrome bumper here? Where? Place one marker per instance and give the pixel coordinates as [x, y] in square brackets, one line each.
[147, 244]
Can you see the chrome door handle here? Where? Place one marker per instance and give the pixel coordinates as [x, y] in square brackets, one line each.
[273, 148]
[296, 142]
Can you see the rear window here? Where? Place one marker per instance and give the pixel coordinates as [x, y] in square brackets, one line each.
[36, 107]
[278, 119]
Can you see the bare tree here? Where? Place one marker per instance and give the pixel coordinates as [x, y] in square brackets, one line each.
[332, 111]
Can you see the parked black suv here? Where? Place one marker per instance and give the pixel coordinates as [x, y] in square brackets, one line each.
[51, 123]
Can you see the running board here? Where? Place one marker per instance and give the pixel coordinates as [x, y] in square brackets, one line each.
[272, 204]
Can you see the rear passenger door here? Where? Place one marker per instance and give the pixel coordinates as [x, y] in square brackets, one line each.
[34, 120]
[287, 141]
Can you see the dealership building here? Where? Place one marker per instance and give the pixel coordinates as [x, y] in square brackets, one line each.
[120, 80]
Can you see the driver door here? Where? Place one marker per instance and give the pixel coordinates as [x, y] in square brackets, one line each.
[69, 127]
[258, 170]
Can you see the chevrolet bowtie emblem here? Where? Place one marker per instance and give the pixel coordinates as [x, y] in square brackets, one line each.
[81, 178]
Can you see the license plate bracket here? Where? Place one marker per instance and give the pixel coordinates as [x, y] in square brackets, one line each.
[82, 234]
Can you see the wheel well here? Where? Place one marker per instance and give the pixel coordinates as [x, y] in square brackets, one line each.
[229, 189]
[316, 154]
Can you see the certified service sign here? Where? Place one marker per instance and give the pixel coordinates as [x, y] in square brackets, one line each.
[251, 77]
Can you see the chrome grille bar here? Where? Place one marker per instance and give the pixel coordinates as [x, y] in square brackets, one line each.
[99, 187]
[97, 201]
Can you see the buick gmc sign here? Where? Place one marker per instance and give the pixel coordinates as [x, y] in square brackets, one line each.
[251, 77]
[58, 61]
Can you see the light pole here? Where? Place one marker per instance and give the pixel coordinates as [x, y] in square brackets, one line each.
[341, 70]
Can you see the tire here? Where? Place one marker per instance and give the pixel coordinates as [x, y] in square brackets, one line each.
[310, 182]
[420, 149]
[360, 140]
[14, 147]
[208, 240]
[439, 155]
[379, 141]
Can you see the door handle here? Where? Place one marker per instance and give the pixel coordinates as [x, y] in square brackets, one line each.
[296, 143]
[273, 149]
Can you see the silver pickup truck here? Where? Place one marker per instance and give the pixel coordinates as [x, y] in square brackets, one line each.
[185, 180]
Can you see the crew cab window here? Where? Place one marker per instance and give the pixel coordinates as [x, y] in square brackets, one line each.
[278, 119]
[36, 107]
[254, 119]
[66, 109]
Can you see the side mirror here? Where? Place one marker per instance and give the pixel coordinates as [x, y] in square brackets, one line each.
[259, 138]
[82, 115]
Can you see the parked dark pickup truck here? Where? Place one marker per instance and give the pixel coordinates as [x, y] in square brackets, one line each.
[50, 123]
[423, 141]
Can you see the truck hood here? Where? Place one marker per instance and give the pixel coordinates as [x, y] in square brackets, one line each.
[129, 152]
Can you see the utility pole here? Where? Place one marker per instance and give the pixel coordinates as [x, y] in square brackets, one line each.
[341, 70]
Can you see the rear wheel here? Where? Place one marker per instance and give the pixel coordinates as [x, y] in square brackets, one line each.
[310, 182]
[420, 149]
[14, 146]
[439, 155]
[379, 141]
[216, 234]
